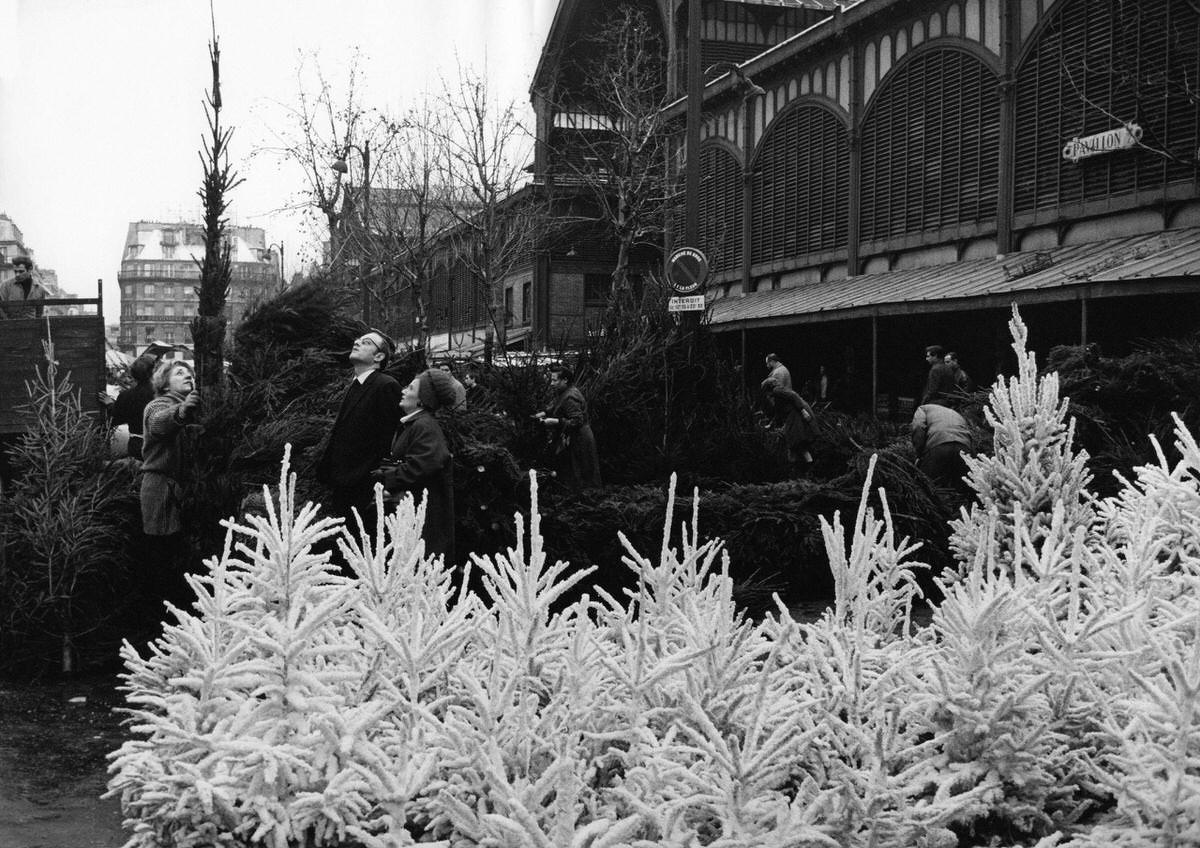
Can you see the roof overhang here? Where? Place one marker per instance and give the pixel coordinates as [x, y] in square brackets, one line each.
[1158, 263]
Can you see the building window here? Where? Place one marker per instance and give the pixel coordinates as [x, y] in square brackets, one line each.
[168, 291]
[128, 289]
[168, 251]
[508, 306]
[169, 311]
[148, 291]
[596, 288]
[169, 335]
[149, 331]
[168, 238]
[526, 302]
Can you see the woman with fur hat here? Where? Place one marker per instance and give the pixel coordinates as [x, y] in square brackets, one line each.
[420, 460]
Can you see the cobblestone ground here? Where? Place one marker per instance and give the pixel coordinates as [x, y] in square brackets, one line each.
[53, 742]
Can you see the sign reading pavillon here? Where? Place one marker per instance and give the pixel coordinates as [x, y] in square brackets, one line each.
[1122, 138]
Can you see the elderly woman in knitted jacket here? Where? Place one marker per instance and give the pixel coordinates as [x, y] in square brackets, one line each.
[420, 461]
[174, 405]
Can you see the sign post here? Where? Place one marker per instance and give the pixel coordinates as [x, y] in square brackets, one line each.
[687, 269]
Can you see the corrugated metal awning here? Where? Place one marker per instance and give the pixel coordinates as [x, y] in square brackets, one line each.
[824, 5]
[1165, 261]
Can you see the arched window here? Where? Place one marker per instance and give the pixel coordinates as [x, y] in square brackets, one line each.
[720, 207]
[801, 186]
[930, 146]
[1098, 64]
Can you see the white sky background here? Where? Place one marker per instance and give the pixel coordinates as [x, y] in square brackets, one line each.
[101, 115]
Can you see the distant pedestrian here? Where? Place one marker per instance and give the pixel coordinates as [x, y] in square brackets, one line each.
[962, 380]
[572, 445]
[175, 405]
[798, 421]
[21, 296]
[477, 397]
[460, 390]
[362, 432]
[419, 460]
[939, 384]
[778, 372]
[939, 436]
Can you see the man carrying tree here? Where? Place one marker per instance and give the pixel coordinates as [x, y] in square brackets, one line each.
[362, 433]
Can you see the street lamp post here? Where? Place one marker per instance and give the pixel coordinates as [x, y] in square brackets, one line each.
[342, 167]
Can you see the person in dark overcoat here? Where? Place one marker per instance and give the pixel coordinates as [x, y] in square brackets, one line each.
[572, 445]
[362, 433]
[798, 421]
[419, 460]
[130, 406]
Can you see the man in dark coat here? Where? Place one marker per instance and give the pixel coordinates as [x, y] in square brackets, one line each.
[939, 385]
[21, 296]
[420, 461]
[130, 405]
[572, 445]
[362, 433]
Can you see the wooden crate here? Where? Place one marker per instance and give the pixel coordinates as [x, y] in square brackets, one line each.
[78, 348]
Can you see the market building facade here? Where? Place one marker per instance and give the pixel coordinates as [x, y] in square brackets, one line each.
[913, 168]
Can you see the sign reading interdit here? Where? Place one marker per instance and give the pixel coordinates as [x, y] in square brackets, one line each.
[692, 303]
[1122, 138]
[687, 269]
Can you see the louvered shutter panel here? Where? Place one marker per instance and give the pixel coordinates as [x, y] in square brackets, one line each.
[720, 208]
[801, 186]
[931, 146]
[1096, 64]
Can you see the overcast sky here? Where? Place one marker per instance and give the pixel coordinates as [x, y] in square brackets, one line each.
[101, 104]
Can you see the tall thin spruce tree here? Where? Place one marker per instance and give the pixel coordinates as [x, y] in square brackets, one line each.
[208, 325]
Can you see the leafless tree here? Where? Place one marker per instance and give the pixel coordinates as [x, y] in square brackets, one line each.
[610, 137]
[337, 144]
[411, 215]
[496, 224]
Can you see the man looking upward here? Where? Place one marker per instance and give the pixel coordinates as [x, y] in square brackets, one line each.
[362, 433]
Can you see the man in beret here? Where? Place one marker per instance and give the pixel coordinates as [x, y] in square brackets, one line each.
[363, 430]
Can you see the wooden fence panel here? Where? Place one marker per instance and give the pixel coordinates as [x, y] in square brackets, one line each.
[78, 348]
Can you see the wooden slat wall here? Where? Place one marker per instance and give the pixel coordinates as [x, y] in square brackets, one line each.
[78, 347]
[801, 186]
[720, 208]
[931, 147]
[1097, 63]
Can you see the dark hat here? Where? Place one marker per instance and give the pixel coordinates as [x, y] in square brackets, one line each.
[436, 388]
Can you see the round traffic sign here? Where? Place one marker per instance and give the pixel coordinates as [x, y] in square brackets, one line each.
[687, 269]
